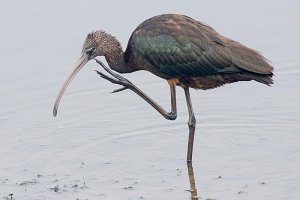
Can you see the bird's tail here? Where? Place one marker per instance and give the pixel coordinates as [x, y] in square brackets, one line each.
[262, 78]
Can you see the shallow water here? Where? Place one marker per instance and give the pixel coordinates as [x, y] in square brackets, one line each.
[115, 146]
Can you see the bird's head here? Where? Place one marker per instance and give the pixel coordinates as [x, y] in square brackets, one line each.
[98, 43]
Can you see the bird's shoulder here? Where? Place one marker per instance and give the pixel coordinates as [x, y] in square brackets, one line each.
[182, 28]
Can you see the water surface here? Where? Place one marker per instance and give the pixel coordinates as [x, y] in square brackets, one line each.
[115, 146]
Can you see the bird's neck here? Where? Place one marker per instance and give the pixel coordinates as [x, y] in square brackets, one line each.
[117, 62]
[114, 55]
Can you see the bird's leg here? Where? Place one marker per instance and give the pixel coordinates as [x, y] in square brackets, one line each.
[120, 80]
[191, 124]
[193, 189]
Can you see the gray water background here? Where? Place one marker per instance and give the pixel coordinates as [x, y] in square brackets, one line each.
[115, 146]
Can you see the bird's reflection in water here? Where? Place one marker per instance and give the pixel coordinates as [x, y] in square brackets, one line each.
[193, 189]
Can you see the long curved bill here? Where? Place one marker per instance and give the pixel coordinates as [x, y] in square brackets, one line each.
[84, 58]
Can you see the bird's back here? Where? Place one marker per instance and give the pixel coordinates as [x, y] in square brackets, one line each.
[177, 46]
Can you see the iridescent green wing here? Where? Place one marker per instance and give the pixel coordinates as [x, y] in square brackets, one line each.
[180, 46]
[181, 57]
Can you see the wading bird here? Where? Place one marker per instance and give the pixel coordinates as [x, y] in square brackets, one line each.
[179, 49]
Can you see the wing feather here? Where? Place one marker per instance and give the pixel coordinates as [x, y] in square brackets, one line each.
[179, 46]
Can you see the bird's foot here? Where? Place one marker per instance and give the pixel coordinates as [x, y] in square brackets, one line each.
[116, 79]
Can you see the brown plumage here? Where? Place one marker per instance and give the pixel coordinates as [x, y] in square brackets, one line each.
[179, 49]
[201, 57]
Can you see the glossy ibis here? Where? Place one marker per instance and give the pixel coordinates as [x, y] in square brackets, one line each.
[179, 49]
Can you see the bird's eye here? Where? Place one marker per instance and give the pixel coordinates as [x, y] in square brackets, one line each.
[90, 50]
